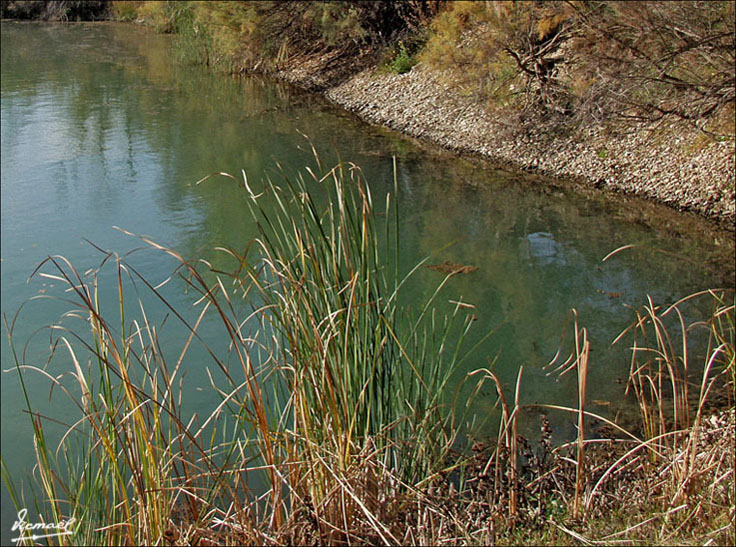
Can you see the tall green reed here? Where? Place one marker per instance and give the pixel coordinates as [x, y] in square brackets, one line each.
[331, 393]
[358, 372]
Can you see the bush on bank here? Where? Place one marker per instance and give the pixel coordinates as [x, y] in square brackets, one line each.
[584, 62]
[568, 63]
[56, 10]
[264, 35]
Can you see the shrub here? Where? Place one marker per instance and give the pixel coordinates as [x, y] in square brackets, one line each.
[588, 61]
[403, 61]
[653, 60]
[265, 34]
[502, 51]
[55, 10]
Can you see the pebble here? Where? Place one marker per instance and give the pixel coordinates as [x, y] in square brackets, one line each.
[667, 169]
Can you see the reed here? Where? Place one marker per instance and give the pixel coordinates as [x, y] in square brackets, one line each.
[673, 386]
[332, 394]
[335, 422]
[673, 474]
[505, 454]
[129, 461]
[685, 445]
[578, 361]
[135, 466]
[359, 375]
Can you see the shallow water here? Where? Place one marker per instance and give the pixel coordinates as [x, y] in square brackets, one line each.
[101, 127]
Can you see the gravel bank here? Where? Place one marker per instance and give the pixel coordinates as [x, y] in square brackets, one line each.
[672, 167]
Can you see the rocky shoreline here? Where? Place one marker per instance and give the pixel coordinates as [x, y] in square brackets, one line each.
[673, 166]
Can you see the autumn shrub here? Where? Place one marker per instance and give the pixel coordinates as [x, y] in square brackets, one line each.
[585, 62]
[269, 33]
[657, 60]
[160, 15]
[265, 34]
[125, 11]
[502, 52]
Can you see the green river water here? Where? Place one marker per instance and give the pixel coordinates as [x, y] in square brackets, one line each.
[102, 127]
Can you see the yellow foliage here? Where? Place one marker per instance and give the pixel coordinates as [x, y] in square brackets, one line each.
[155, 14]
[471, 39]
[548, 25]
[229, 23]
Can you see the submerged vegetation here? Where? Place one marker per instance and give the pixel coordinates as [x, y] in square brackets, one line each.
[336, 421]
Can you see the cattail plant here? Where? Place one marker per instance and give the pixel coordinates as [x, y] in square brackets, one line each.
[331, 393]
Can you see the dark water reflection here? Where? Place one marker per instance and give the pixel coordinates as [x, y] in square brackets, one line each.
[101, 127]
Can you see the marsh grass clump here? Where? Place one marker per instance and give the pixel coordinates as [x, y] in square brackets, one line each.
[333, 397]
[335, 420]
[668, 480]
[364, 383]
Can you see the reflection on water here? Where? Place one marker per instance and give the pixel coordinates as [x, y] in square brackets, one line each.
[101, 128]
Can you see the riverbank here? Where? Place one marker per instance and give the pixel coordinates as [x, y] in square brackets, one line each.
[340, 50]
[674, 165]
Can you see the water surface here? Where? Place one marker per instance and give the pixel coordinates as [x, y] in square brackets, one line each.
[101, 127]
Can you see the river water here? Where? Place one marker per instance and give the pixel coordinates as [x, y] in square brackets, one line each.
[102, 127]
